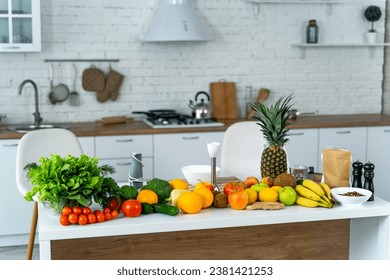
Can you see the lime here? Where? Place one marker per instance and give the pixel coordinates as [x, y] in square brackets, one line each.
[287, 195]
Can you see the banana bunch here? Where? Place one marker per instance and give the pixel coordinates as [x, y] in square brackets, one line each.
[311, 194]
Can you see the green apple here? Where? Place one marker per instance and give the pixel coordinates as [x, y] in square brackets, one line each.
[287, 195]
[259, 186]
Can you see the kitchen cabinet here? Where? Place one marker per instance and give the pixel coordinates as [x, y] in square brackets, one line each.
[16, 211]
[302, 147]
[353, 139]
[378, 153]
[88, 145]
[20, 26]
[116, 151]
[173, 151]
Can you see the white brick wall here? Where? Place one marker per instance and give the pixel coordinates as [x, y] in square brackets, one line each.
[247, 49]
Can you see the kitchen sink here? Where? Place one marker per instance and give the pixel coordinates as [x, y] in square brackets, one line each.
[23, 128]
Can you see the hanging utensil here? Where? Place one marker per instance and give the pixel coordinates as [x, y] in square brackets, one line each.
[60, 92]
[74, 98]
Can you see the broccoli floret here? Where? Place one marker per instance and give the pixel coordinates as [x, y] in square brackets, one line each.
[160, 187]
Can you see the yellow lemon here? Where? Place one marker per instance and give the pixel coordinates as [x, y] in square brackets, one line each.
[178, 184]
[268, 195]
[190, 202]
[252, 195]
[207, 196]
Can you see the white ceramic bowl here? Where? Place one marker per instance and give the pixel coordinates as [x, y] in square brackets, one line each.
[196, 173]
[350, 200]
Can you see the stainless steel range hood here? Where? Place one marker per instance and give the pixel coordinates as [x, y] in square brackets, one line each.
[176, 20]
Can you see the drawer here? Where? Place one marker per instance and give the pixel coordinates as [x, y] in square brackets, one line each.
[123, 146]
[122, 168]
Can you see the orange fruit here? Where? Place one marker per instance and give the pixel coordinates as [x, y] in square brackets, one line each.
[147, 196]
[207, 196]
[238, 199]
[252, 195]
[178, 184]
[190, 202]
[268, 195]
[276, 188]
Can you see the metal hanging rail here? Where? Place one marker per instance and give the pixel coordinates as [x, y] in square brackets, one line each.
[81, 60]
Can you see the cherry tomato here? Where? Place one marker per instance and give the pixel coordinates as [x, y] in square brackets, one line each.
[100, 217]
[64, 220]
[86, 210]
[106, 210]
[114, 214]
[91, 218]
[77, 210]
[114, 203]
[73, 218]
[108, 216]
[83, 220]
[66, 210]
[131, 208]
[97, 212]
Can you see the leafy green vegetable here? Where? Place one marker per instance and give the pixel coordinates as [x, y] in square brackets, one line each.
[69, 181]
[128, 192]
[160, 187]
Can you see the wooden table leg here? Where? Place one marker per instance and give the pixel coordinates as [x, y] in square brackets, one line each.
[33, 229]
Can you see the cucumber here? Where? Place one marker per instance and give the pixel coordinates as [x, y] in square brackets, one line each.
[146, 208]
[165, 209]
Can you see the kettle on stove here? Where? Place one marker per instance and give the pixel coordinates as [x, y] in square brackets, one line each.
[201, 110]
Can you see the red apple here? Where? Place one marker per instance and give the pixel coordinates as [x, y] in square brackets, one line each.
[233, 186]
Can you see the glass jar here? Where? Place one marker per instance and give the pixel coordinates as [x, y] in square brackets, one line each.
[312, 32]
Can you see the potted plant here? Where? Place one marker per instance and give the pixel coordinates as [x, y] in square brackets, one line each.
[372, 14]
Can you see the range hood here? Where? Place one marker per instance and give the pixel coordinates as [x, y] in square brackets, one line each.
[176, 20]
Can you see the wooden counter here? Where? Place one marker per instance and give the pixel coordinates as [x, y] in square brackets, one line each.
[139, 127]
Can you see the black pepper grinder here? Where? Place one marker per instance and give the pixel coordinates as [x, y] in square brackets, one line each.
[369, 176]
[357, 174]
[312, 32]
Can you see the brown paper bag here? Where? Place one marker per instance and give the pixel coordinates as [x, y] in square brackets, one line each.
[336, 167]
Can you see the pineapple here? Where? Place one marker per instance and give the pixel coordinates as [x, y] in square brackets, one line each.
[273, 122]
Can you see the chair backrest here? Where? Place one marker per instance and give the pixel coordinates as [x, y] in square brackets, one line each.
[42, 143]
[242, 147]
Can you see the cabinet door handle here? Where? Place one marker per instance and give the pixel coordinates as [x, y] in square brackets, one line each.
[124, 140]
[297, 134]
[386, 130]
[191, 138]
[343, 132]
[11, 48]
[123, 163]
[10, 145]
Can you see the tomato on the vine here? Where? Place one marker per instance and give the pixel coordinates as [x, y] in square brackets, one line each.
[114, 203]
[91, 218]
[66, 211]
[100, 217]
[64, 220]
[83, 220]
[77, 210]
[86, 210]
[73, 218]
[131, 208]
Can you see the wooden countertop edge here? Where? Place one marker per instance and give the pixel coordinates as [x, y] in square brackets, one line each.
[85, 129]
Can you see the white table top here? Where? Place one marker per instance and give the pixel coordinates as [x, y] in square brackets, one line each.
[50, 228]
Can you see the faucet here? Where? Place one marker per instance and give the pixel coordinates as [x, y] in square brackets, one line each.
[37, 115]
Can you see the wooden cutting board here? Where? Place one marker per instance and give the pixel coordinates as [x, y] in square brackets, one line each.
[223, 100]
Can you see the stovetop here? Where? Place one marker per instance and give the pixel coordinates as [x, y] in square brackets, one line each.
[181, 121]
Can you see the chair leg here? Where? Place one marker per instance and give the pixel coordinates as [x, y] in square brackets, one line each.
[33, 229]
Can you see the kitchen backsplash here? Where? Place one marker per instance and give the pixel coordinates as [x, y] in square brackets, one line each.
[249, 49]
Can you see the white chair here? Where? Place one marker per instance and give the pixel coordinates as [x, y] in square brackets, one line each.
[34, 145]
[242, 147]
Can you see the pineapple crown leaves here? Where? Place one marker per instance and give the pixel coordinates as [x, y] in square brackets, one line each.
[273, 120]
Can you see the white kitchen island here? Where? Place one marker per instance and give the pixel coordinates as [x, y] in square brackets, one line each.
[213, 234]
